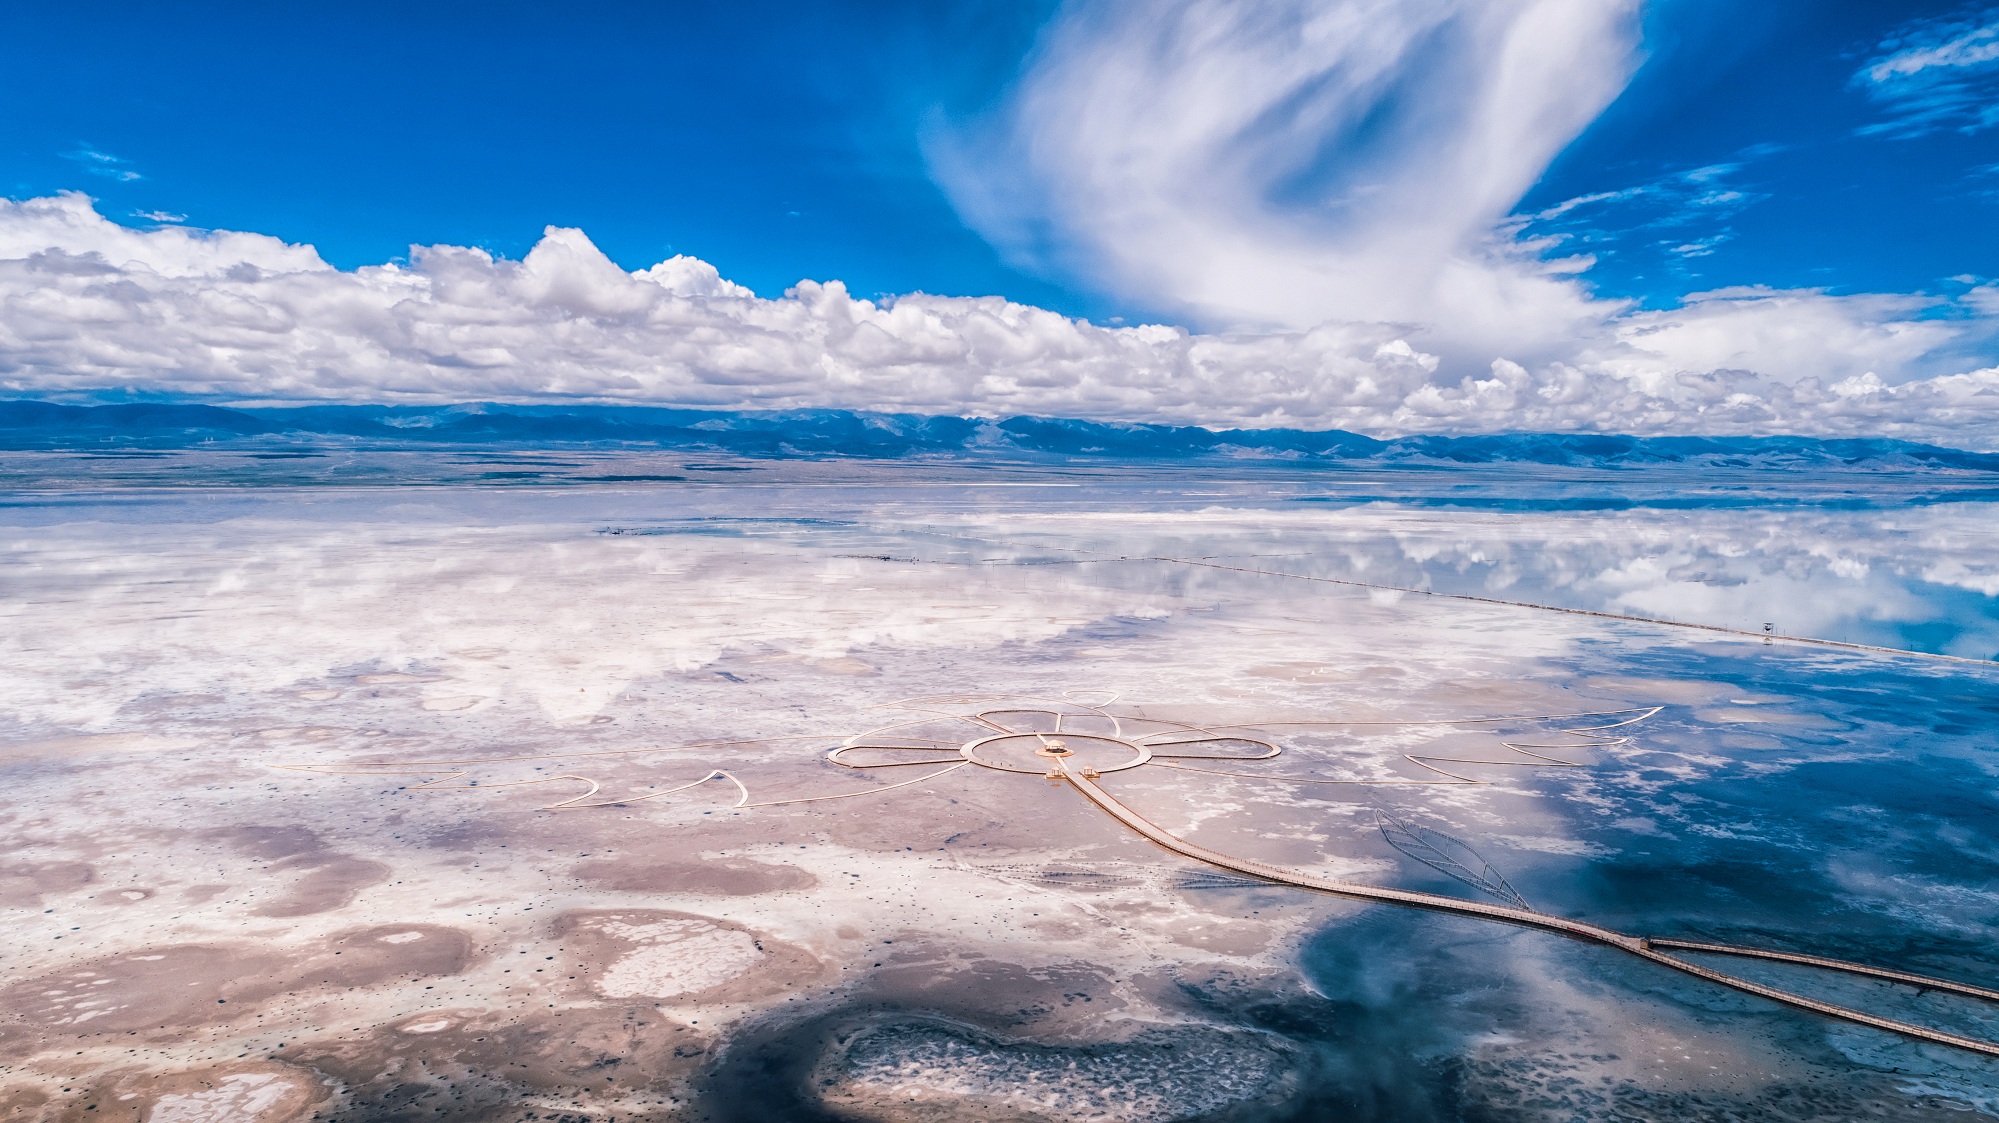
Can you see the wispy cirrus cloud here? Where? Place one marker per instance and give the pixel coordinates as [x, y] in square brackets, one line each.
[1699, 247]
[1283, 163]
[103, 164]
[1681, 215]
[1936, 74]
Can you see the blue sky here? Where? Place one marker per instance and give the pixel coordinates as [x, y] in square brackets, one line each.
[778, 140]
[1389, 215]
[785, 140]
[1764, 94]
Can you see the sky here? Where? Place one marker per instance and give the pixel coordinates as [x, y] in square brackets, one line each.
[1387, 215]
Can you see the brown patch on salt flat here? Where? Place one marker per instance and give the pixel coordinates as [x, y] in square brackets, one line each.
[318, 881]
[1302, 672]
[367, 956]
[300, 733]
[161, 704]
[832, 665]
[607, 1060]
[162, 992]
[473, 834]
[1222, 937]
[1480, 697]
[652, 953]
[1052, 997]
[1655, 691]
[102, 744]
[843, 665]
[245, 1092]
[981, 809]
[30, 1105]
[23, 883]
[156, 990]
[721, 877]
[270, 842]
[330, 882]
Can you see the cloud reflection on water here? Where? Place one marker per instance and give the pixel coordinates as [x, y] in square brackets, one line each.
[166, 647]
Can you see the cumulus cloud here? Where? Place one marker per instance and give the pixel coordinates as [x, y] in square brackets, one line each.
[90, 309]
[87, 305]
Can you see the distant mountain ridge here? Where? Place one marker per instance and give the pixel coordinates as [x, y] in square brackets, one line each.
[31, 425]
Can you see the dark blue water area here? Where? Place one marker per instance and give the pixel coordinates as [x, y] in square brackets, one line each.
[1880, 807]
[1872, 836]
[1857, 800]
[1855, 817]
[1965, 621]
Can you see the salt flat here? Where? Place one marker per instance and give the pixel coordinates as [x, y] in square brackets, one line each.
[285, 743]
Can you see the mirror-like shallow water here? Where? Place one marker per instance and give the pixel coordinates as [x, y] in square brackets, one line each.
[243, 876]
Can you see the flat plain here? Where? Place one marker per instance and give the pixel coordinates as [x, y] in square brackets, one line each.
[496, 786]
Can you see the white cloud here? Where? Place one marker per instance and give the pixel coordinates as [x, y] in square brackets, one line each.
[91, 309]
[1282, 164]
[1976, 47]
[1936, 73]
[1699, 247]
[1329, 186]
[87, 305]
[1686, 207]
[1260, 163]
[103, 164]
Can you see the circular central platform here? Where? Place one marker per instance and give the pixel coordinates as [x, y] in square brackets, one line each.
[1030, 752]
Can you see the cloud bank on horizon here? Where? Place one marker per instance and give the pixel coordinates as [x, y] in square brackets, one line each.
[1326, 190]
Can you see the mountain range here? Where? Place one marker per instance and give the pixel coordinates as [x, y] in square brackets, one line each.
[796, 434]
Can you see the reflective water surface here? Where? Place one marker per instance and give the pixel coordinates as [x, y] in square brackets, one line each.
[286, 740]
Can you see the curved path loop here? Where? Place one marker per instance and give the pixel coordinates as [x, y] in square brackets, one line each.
[1636, 945]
